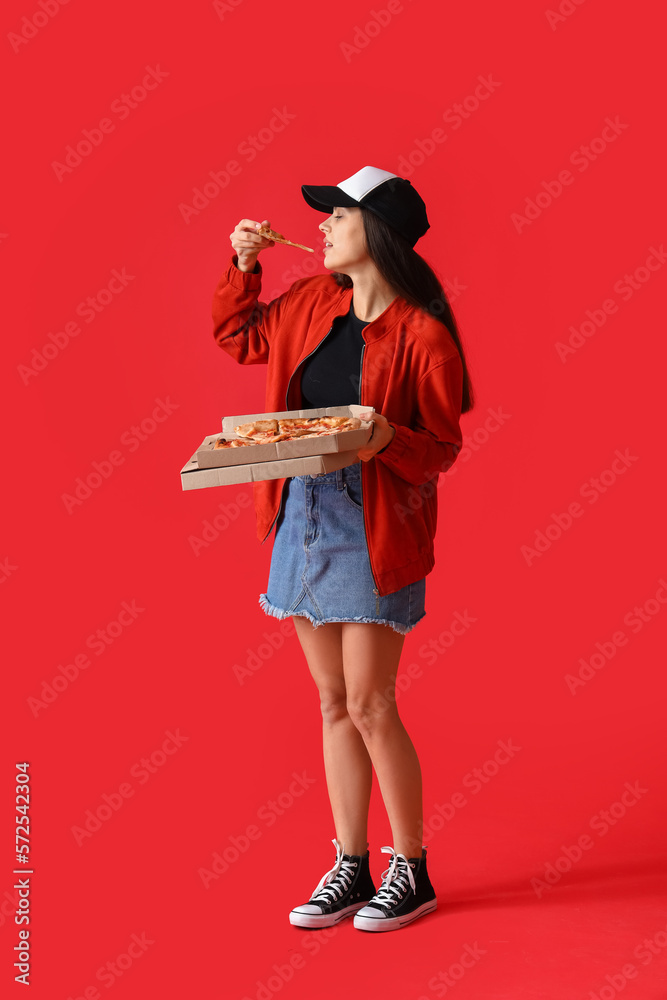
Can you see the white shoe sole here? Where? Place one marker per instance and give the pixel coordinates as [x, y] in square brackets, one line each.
[324, 919]
[393, 923]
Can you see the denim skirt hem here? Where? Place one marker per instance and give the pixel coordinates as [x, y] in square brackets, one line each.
[269, 609]
[320, 567]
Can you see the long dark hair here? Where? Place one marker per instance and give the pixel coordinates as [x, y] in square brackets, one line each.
[413, 279]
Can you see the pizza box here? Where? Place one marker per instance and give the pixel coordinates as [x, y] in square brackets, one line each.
[195, 478]
[209, 457]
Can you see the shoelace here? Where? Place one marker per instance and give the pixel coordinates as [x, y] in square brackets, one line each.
[337, 881]
[394, 880]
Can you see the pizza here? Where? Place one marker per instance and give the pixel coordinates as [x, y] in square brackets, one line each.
[234, 443]
[257, 428]
[305, 426]
[271, 234]
[287, 429]
[290, 428]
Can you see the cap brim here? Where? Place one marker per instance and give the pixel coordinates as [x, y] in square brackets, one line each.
[325, 199]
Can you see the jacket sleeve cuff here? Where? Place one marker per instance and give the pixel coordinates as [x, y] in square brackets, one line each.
[394, 452]
[416, 457]
[417, 454]
[244, 281]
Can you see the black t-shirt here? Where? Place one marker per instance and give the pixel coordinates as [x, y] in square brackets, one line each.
[331, 376]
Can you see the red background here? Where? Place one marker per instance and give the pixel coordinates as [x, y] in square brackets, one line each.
[356, 97]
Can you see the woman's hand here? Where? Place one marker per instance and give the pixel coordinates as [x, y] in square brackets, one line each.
[247, 243]
[382, 434]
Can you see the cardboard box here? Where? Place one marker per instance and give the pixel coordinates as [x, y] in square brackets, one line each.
[209, 457]
[312, 455]
[194, 478]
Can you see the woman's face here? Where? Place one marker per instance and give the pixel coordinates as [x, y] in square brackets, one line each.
[345, 246]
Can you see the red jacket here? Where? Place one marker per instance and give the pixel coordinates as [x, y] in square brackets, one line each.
[411, 372]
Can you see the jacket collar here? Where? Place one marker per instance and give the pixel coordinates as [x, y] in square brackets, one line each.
[382, 324]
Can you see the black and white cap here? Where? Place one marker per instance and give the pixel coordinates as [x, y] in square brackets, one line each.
[389, 196]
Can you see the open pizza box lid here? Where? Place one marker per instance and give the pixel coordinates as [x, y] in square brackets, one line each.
[209, 457]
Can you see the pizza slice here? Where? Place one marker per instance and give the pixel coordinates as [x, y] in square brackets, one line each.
[234, 443]
[257, 428]
[303, 426]
[270, 438]
[243, 442]
[271, 234]
[341, 423]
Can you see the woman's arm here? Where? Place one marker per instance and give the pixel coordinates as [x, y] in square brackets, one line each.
[418, 454]
[242, 325]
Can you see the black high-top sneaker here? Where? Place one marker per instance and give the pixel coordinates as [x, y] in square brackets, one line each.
[406, 894]
[341, 892]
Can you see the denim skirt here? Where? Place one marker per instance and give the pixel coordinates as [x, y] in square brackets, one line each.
[320, 567]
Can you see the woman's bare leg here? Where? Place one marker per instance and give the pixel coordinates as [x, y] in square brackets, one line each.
[347, 765]
[371, 654]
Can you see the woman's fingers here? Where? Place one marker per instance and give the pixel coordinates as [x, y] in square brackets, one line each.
[246, 237]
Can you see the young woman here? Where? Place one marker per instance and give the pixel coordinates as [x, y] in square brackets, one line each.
[352, 547]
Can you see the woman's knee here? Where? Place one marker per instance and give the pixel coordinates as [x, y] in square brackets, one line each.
[333, 703]
[370, 712]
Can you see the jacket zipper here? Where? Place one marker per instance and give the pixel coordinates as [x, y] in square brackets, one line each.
[280, 507]
[301, 362]
[282, 497]
[375, 588]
